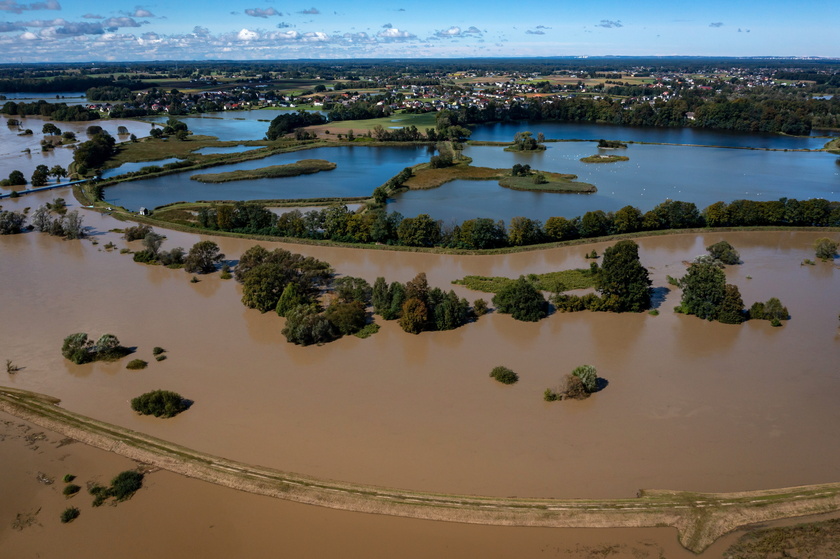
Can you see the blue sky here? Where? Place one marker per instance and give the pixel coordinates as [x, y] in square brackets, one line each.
[62, 30]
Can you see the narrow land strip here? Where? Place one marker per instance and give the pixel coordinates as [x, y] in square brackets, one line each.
[700, 518]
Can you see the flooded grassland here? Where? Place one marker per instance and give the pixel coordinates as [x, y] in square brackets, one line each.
[690, 404]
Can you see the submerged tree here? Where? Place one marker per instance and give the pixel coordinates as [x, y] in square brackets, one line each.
[521, 300]
[202, 258]
[622, 281]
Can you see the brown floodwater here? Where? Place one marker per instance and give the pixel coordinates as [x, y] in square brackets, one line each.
[173, 516]
[690, 404]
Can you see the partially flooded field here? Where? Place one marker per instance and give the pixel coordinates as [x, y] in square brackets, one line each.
[690, 404]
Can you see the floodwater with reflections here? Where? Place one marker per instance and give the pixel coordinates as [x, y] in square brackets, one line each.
[13, 145]
[703, 175]
[690, 404]
[359, 170]
[694, 173]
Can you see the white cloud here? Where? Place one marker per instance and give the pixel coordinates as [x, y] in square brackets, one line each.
[394, 34]
[247, 35]
[29, 36]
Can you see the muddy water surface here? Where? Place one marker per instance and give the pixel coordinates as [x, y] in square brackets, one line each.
[172, 516]
[12, 145]
[690, 404]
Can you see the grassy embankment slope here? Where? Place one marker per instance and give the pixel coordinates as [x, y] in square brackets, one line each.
[302, 167]
[700, 518]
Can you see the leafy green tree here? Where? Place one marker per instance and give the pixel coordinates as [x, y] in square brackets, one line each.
[588, 375]
[203, 257]
[306, 326]
[418, 288]
[264, 285]
[524, 231]
[504, 375]
[825, 248]
[136, 232]
[41, 219]
[450, 312]
[11, 223]
[152, 241]
[250, 259]
[414, 316]
[731, 310]
[396, 294]
[561, 229]
[623, 282]
[521, 300]
[420, 231]
[51, 129]
[291, 298]
[160, 403]
[773, 309]
[39, 178]
[483, 233]
[704, 289]
[627, 220]
[349, 288]
[724, 252]
[58, 172]
[16, 178]
[348, 317]
[379, 295]
[594, 224]
[73, 225]
[77, 348]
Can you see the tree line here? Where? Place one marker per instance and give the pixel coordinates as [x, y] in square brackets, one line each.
[338, 223]
[55, 111]
[746, 114]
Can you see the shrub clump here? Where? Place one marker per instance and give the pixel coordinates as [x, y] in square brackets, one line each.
[772, 310]
[578, 385]
[69, 515]
[724, 252]
[136, 364]
[79, 349]
[504, 375]
[160, 403]
[522, 301]
[825, 248]
[71, 489]
[123, 487]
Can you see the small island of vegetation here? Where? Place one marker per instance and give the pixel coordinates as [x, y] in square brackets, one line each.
[525, 142]
[522, 177]
[79, 349]
[160, 403]
[302, 167]
[600, 158]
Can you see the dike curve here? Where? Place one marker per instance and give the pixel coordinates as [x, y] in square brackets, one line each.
[700, 518]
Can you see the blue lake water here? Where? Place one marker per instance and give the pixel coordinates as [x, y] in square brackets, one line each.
[359, 170]
[217, 151]
[702, 175]
[133, 167]
[504, 132]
